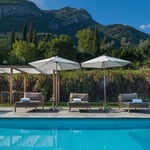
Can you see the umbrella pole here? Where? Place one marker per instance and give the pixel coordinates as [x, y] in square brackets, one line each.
[56, 88]
[104, 105]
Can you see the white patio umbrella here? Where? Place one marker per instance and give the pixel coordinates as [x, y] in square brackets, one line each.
[56, 63]
[52, 65]
[104, 62]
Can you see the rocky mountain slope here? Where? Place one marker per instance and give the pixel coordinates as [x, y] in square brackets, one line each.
[67, 20]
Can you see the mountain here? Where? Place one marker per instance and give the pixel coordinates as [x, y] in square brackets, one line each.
[118, 31]
[69, 20]
[13, 14]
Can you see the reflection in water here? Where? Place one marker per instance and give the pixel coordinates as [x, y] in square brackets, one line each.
[19, 139]
[54, 139]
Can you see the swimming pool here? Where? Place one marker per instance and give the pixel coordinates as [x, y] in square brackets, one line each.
[74, 134]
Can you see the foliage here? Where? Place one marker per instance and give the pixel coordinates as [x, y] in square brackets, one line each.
[44, 85]
[61, 46]
[22, 52]
[24, 33]
[4, 50]
[30, 35]
[89, 81]
[85, 41]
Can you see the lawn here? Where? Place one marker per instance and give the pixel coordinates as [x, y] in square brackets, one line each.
[64, 104]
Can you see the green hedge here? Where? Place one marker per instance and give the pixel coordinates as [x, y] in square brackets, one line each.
[89, 81]
[117, 81]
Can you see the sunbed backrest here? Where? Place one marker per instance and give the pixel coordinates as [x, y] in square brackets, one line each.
[127, 96]
[34, 96]
[83, 96]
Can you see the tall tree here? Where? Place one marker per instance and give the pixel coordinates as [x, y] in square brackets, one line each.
[30, 35]
[96, 42]
[34, 38]
[4, 50]
[85, 41]
[104, 44]
[47, 37]
[61, 46]
[12, 38]
[24, 32]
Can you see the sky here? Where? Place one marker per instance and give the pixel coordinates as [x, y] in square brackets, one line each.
[135, 13]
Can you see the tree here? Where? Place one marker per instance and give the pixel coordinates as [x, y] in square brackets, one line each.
[12, 38]
[30, 35]
[144, 49]
[104, 43]
[85, 41]
[34, 40]
[24, 33]
[42, 49]
[61, 46]
[96, 44]
[47, 37]
[124, 43]
[4, 50]
[23, 53]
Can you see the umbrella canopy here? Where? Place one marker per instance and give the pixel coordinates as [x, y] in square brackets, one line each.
[52, 65]
[47, 66]
[9, 70]
[104, 62]
[28, 70]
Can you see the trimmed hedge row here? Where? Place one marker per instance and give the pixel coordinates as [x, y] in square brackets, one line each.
[89, 81]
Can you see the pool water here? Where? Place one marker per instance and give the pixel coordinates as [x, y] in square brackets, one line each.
[74, 134]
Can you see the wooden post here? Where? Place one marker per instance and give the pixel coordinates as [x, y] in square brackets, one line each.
[58, 86]
[24, 84]
[54, 86]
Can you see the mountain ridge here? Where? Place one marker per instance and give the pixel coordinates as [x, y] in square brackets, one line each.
[63, 21]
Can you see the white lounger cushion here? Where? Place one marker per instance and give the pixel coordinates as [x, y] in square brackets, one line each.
[25, 99]
[137, 100]
[77, 100]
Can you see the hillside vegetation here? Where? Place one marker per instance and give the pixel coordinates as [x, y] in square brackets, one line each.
[28, 34]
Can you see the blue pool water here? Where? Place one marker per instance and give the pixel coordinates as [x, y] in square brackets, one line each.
[74, 134]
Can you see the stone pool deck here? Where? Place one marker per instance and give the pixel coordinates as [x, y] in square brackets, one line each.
[8, 112]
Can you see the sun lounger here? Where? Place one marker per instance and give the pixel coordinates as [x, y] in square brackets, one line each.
[31, 99]
[78, 100]
[131, 100]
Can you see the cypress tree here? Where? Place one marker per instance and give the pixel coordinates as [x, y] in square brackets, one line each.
[104, 44]
[96, 44]
[47, 37]
[12, 40]
[24, 33]
[30, 37]
[34, 38]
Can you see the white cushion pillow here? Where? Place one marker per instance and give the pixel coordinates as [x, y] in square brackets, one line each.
[137, 100]
[77, 100]
[25, 99]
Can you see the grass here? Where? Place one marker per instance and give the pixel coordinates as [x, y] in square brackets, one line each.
[64, 104]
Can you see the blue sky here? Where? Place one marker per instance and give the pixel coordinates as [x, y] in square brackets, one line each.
[134, 13]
